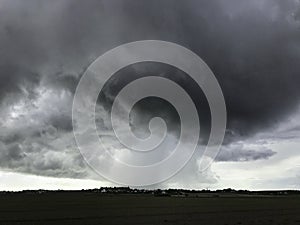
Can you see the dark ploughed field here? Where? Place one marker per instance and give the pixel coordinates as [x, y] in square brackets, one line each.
[96, 208]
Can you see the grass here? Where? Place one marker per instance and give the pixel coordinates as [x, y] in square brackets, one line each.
[95, 208]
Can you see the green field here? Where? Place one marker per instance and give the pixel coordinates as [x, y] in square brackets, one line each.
[95, 208]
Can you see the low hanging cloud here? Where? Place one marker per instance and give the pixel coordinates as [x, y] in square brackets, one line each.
[37, 136]
[242, 153]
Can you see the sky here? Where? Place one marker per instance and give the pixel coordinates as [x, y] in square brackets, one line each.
[252, 47]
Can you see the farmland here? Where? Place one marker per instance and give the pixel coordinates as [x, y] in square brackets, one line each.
[88, 208]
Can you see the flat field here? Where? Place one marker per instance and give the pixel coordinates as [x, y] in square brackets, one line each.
[95, 208]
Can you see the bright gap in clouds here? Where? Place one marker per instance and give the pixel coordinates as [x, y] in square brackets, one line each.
[17, 181]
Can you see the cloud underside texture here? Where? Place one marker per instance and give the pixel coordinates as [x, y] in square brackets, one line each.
[253, 48]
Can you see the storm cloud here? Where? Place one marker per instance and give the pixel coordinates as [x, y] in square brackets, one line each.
[238, 153]
[253, 48]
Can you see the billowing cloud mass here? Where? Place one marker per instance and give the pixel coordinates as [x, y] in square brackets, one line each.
[253, 48]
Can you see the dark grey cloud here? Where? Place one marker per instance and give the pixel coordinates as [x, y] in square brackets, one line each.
[253, 47]
[43, 157]
[61, 122]
[239, 153]
[17, 81]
